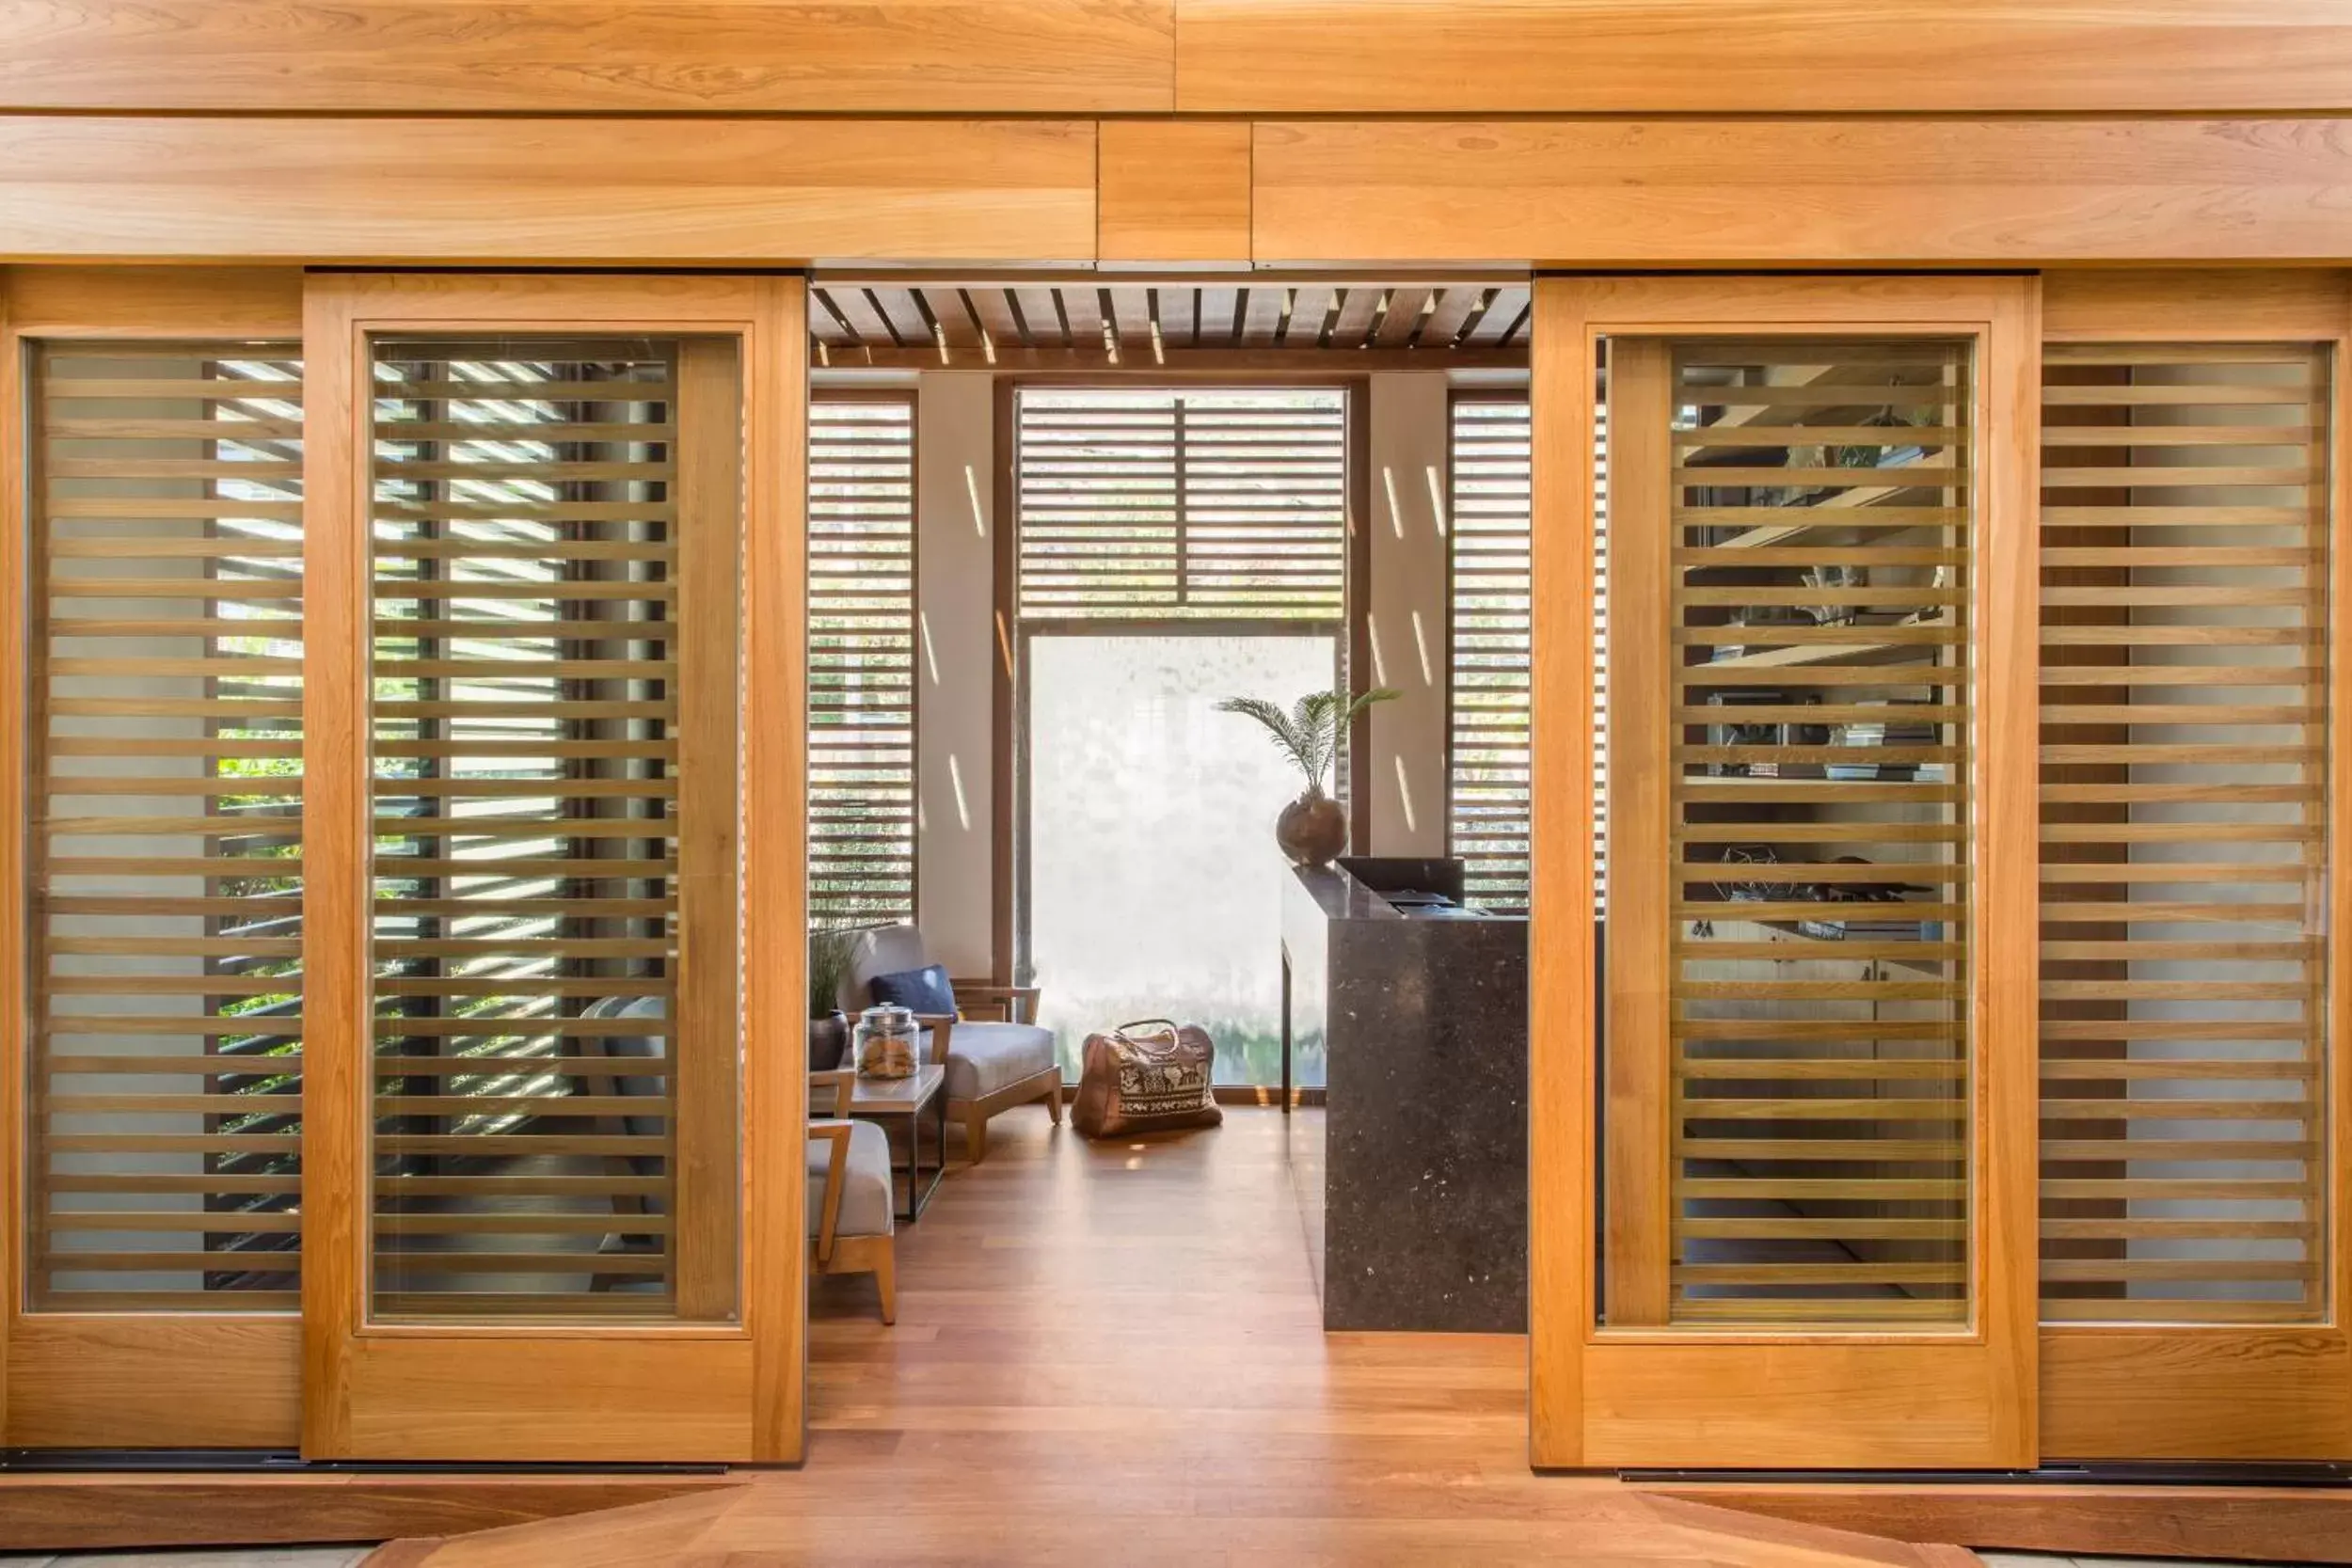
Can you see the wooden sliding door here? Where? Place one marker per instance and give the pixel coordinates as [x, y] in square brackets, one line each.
[155, 1029]
[2193, 904]
[553, 1175]
[1792, 1114]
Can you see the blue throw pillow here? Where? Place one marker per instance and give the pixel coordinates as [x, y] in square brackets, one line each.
[918, 990]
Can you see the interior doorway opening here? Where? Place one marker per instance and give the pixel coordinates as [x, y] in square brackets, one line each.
[1124, 504]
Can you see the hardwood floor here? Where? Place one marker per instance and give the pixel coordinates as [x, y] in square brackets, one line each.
[1113, 1353]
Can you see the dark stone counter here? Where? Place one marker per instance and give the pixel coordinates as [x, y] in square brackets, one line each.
[1422, 1160]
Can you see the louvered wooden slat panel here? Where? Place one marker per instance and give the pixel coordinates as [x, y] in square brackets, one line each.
[1208, 504]
[165, 766]
[1490, 627]
[2183, 811]
[1789, 699]
[862, 661]
[541, 644]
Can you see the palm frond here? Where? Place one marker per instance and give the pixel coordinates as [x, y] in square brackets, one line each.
[1312, 731]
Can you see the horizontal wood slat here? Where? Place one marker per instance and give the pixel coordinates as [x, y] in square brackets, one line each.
[862, 661]
[1191, 505]
[2185, 839]
[1490, 626]
[165, 766]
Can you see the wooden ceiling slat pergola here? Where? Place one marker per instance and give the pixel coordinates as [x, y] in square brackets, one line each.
[1241, 326]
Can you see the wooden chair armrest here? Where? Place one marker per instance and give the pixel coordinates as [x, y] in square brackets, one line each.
[836, 1164]
[941, 1025]
[1012, 1001]
[837, 1083]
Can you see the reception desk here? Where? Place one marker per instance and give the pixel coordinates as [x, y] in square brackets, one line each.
[1414, 1177]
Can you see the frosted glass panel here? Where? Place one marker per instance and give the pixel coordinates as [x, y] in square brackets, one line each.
[1153, 885]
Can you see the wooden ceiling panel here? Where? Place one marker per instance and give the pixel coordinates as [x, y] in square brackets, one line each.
[1887, 192]
[573, 56]
[1130, 312]
[953, 317]
[1041, 316]
[551, 192]
[1309, 305]
[1761, 56]
[995, 310]
[1263, 310]
[1177, 315]
[1444, 321]
[1399, 322]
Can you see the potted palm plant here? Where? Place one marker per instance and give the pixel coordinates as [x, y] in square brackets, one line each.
[1311, 829]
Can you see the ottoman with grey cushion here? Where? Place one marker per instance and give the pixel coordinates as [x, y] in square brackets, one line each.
[992, 1064]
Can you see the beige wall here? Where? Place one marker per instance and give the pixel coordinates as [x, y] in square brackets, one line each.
[1407, 632]
[955, 739]
[955, 498]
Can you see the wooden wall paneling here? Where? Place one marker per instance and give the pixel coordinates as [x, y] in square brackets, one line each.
[1758, 56]
[80, 1379]
[562, 56]
[1174, 191]
[614, 193]
[1736, 1398]
[469, 1389]
[1802, 193]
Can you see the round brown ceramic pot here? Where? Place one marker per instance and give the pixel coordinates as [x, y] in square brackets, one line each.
[1312, 828]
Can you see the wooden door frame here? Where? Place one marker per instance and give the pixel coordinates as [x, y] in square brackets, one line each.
[487, 1391]
[1601, 1395]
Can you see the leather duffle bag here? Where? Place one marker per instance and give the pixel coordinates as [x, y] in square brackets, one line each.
[1153, 1075]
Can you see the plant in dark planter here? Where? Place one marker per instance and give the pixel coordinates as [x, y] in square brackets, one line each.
[828, 1027]
[1311, 829]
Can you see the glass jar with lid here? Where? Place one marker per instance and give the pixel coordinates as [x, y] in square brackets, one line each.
[887, 1043]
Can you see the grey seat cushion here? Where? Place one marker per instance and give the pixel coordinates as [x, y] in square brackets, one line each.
[985, 1057]
[643, 1047]
[865, 1196]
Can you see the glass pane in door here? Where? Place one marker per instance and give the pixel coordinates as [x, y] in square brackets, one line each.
[556, 572]
[164, 756]
[1789, 1039]
[1152, 883]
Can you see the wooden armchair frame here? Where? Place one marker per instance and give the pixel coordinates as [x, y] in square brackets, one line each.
[986, 1002]
[830, 1252]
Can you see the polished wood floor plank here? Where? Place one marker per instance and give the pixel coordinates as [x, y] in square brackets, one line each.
[1113, 1353]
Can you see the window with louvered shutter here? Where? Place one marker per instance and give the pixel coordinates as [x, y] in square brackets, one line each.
[2184, 551]
[1488, 633]
[165, 858]
[1792, 543]
[1202, 505]
[556, 586]
[861, 661]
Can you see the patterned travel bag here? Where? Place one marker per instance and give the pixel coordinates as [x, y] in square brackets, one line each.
[1149, 1076]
